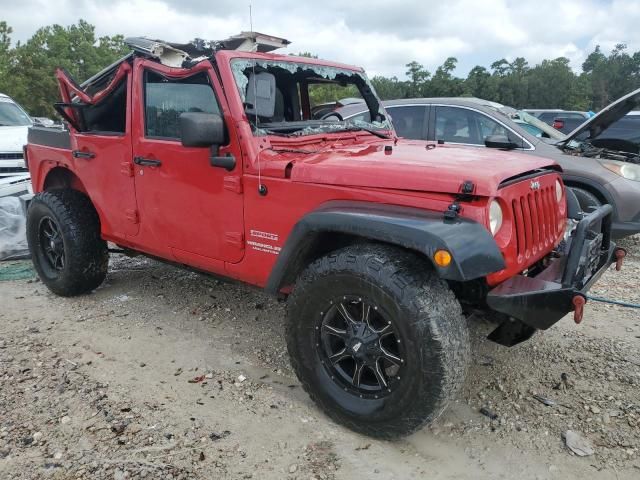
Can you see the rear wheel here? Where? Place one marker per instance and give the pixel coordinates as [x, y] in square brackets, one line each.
[63, 231]
[377, 340]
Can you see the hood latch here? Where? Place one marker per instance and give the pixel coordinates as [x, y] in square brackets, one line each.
[465, 194]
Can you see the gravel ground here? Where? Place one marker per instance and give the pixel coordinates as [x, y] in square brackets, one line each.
[162, 373]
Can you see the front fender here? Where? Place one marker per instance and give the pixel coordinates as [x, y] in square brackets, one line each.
[473, 249]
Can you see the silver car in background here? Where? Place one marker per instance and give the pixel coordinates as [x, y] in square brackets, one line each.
[594, 166]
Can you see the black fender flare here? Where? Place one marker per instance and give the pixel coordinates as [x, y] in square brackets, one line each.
[473, 249]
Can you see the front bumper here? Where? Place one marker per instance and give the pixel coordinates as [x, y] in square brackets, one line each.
[539, 302]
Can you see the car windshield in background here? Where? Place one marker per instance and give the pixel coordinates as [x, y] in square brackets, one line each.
[547, 130]
[11, 115]
[294, 99]
[535, 131]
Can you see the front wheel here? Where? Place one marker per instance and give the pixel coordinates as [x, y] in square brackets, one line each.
[588, 201]
[377, 340]
[63, 231]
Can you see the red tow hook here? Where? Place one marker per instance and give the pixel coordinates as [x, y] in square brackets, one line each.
[620, 254]
[578, 307]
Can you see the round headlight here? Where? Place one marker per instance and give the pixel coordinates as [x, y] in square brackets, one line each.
[558, 191]
[495, 217]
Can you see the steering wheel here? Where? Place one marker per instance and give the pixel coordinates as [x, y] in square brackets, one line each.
[328, 115]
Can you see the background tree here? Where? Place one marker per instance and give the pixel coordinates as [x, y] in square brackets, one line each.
[443, 83]
[417, 79]
[389, 88]
[480, 84]
[75, 48]
[27, 74]
[5, 54]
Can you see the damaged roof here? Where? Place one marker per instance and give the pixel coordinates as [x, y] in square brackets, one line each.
[181, 54]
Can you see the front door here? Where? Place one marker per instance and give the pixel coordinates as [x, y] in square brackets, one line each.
[189, 210]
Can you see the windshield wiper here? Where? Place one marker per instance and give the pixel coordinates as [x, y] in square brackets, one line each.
[366, 129]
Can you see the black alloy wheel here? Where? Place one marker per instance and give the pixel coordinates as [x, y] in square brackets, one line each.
[359, 347]
[377, 339]
[63, 231]
[51, 244]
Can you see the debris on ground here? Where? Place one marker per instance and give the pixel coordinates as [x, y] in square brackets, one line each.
[488, 413]
[578, 444]
[544, 400]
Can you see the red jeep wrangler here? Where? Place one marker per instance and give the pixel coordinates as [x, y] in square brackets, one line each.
[225, 158]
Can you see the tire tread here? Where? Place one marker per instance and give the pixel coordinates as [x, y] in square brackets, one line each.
[438, 314]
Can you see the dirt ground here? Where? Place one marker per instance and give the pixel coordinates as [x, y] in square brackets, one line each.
[164, 374]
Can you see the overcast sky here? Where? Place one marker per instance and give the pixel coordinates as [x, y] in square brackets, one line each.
[380, 35]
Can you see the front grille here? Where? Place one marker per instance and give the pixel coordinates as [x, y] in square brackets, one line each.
[11, 156]
[16, 170]
[536, 222]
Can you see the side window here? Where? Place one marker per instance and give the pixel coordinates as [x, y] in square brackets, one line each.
[487, 126]
[460, 125]
[408, 121]
[108, 116]
[454, 125]
[166, 98]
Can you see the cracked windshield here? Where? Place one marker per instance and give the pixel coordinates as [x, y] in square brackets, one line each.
[295, 99]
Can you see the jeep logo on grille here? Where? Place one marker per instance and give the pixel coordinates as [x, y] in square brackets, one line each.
[535, 185]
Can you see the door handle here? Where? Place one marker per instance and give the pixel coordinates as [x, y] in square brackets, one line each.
[81, 154]
[146, 162]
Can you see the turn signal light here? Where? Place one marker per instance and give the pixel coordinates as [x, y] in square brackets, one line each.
[442, 258]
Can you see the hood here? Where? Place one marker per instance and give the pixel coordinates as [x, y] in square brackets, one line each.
[605, 117]
[416, 166]
[12, 139]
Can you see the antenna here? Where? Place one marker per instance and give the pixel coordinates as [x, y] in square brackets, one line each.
[262, 189]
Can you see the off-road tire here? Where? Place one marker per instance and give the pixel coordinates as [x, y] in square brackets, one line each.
[587, 200]
[430, 323]
[86, 257]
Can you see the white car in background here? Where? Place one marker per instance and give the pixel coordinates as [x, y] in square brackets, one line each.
[14, 125]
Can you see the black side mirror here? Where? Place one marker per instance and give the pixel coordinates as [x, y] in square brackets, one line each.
[199, 129]
[499, 141]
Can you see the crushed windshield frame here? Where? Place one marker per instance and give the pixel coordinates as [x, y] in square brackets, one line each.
[322, 73]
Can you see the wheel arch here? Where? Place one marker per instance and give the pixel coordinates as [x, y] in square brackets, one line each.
[338, 224]
[64, 178]
[592, 187]
[61, 177]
